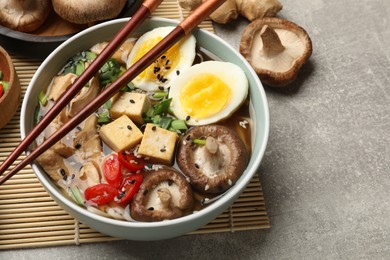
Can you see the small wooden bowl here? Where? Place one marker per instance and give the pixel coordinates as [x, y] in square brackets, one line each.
[10, 100]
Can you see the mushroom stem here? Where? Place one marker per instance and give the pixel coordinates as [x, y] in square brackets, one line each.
[271, 41]
[211, 145]
[165, 197]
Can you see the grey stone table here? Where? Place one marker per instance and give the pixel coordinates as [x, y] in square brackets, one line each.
[326, 172]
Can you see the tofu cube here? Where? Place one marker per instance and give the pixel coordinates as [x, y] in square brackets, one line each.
[132, 105]
[158, 144]
[121, 134]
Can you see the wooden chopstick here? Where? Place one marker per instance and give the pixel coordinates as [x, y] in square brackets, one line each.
[144, 11]
[183, 29]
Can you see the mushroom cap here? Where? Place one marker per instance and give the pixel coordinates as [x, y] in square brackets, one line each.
[212, 171]
[24, 15]
[276, 63]
[87, 11]
[164, 194]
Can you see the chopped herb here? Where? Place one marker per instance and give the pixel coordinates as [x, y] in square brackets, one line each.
[199, 141]
[43, 98]
[76, 194]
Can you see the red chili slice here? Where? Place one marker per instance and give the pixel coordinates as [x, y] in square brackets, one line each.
[130, 161]
[1, 90]
[112, 170]
[129, 188]
[100, 194]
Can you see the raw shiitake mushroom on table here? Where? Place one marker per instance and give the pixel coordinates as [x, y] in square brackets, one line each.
[30, 15]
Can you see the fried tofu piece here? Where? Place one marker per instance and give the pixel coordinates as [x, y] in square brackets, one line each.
[121, 134]
[132, 105]
[158, 144]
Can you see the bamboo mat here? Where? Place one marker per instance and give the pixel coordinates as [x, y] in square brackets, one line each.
[30, 218]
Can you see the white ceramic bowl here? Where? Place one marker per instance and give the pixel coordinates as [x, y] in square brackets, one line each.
[155, 230]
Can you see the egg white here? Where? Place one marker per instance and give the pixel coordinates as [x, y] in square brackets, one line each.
[232, 75]
[187, 56]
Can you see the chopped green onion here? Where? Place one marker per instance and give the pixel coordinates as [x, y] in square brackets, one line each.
[162, 106]
[104, 117]
[179, 125]
[89, 55]
[165, 122]
[108, 104]
[80, 67]
[75, 193]
[200, 141]
[160, 94]
[43, 98]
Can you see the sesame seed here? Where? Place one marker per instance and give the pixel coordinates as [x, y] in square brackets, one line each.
[163, 150]
[132, 101]
[167, 68]
[65, 177]
[79, 128]
[129, 127]
[188, 138]
[196, 166]
[154, 128]
[151, 208]
[132, 182]
[145, 192]
[163, 80]
[156, 69]
[188, 118]
[73, 176]
[160, 87]
[120, 195]
[206, 187]
[178, 72]
[77, 146]
[170, 182]
[62, 172]
[166, 63]
[163, 57]
[230, 182]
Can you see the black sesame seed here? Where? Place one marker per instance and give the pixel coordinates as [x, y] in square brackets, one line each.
[166, 63]
[188, 137]
[151, 208]
[196, 166]
[132, 101]
[62, 172]
[163, 57]
[129, 127]
[167, 68]
[77, 146]
[163, 80]
[163, 150]
[120, 195]
[158, 76]
[65, 177]
[160, 87]
[178, 72]
[202, 201]
[170, 182]
[145, 192]
[79, 128]
[132, 182]
[154, 128]
[188, 118]
[156, 69]
[73, 176]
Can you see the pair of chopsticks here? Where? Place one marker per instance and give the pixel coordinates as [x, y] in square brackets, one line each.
[145, 10]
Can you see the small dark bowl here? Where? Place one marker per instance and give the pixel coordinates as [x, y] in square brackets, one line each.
[55, 31]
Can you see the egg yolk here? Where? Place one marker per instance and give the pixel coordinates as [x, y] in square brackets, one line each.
[161, 66]
[204, 96]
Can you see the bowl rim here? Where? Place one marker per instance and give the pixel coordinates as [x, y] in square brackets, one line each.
[234, 190]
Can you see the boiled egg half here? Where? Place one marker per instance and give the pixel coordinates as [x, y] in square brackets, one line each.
[208, 92]
[159, 75]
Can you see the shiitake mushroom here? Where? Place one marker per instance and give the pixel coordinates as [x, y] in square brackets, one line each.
[215, 166]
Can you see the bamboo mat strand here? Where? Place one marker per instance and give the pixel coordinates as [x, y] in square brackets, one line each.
[29, 217]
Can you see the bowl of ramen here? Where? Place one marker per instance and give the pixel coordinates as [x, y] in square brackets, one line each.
[170, 151]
